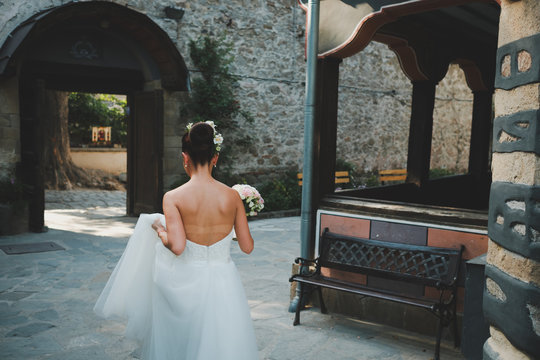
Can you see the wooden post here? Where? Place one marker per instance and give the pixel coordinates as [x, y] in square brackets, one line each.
[420, 131]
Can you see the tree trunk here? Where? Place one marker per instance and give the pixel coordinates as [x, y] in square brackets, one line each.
[60, 171]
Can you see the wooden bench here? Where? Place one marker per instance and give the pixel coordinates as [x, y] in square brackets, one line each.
[342, 177]
[392, 175]
[424, 265]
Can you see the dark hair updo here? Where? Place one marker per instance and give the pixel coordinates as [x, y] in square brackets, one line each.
[198, 143]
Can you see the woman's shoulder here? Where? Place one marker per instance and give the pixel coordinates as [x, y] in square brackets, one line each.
[226, 189]
[174, 194]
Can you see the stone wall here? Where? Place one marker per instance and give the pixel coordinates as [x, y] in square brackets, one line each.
[268, 38]
[111, 160]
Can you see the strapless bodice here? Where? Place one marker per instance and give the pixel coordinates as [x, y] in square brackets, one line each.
[217, 252]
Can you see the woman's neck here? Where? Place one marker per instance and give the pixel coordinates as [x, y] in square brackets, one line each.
[202, 172]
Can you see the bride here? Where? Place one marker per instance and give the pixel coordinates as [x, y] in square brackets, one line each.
[183, 298]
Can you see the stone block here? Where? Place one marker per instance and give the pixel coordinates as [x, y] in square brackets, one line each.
[172, 141]
[516, 167]
[9, 96]
[518, 19]
[5, 120]
[518, 99]
[172, 166]
[10, 145]
[517, 266]
[498, 347]
[9, 133]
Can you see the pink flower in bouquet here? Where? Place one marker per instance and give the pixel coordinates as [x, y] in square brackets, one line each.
[253, 201]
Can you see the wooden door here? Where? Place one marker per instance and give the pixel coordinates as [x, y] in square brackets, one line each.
[145, 153]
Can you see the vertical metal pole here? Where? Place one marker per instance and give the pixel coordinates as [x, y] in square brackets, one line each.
[306, 227]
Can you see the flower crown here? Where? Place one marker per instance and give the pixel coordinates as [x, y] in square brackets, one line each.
[218, 138]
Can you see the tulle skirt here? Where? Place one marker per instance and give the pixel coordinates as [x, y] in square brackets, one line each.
[179, 308]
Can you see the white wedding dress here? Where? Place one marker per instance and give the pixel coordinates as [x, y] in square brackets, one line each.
[191, 306]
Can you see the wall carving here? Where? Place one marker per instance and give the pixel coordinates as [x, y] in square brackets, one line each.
[514, 218]
[517, 314]
[517, 132]
[518, 63]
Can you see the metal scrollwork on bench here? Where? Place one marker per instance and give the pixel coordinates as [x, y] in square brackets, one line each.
[400, 261]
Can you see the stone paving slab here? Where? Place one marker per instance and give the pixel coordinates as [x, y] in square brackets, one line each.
[46, 299]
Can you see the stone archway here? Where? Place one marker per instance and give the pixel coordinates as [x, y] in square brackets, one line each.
[95, 46]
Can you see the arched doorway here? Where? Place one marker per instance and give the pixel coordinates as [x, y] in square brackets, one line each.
[103, 47]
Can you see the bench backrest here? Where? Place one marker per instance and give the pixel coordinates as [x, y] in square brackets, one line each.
[342, 177]
[393, 175]
[426, 265]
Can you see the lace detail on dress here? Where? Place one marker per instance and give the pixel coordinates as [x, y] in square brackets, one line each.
[218, 252]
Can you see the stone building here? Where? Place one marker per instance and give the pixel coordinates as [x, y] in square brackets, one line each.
[268, 38]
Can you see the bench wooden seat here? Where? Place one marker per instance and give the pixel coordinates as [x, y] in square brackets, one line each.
[342, 177]
[425, 265]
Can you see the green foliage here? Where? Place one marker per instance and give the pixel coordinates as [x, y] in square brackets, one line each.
[212, 95]
[344, 165]
[371, 180]
[281, 194]
[87, 110]
[439, 172]
[213, 98]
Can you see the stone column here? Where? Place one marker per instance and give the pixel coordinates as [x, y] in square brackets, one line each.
[512, 293]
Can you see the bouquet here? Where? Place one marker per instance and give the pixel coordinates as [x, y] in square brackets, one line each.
[253, 201]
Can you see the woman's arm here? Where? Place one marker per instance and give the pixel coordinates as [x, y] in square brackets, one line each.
[245, 241]
[161, 231]
[174, 238]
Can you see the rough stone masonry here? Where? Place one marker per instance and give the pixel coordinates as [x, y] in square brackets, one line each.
[268, 45]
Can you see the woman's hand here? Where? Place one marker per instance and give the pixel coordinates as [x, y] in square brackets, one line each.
[162, 233]
[156, 225]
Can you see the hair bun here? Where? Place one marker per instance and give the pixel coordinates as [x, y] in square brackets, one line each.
[198, 143]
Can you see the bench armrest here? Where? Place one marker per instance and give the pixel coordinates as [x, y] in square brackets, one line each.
[305, 261]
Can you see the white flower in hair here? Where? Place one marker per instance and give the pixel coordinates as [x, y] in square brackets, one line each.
[218, 138]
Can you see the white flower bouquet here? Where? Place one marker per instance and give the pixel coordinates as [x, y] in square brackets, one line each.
[253, 201]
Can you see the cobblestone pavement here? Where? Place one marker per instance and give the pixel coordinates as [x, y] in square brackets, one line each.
[46, 299]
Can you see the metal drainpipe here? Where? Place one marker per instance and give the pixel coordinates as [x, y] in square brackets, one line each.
[306, 226]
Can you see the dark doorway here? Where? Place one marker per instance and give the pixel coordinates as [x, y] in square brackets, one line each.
[97, 47]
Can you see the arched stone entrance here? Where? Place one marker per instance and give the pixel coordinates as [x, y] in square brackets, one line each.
[102, 47]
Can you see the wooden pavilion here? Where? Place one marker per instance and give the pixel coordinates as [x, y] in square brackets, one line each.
[426, 36]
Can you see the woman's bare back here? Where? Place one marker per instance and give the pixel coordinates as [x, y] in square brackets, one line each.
[208, 210]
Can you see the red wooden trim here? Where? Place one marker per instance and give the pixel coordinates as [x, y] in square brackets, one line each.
[473, 76]
[366, 28]
[405, 54]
